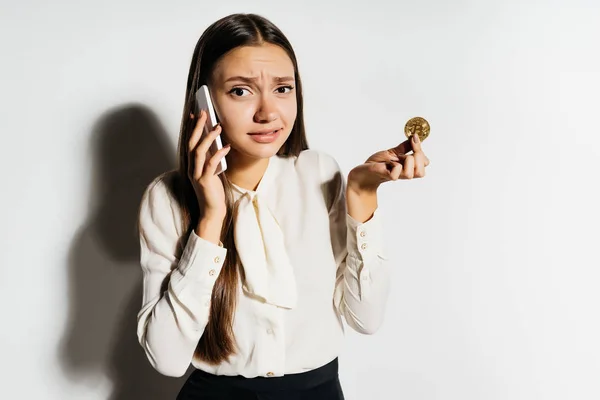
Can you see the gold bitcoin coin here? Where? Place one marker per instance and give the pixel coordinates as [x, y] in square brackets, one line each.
[417, 125]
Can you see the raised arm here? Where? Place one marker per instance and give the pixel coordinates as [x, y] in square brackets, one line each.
[176, 290]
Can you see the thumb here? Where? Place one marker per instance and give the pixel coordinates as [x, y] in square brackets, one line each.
[416, 142]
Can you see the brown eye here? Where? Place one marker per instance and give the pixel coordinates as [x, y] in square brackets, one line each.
[239, 92]
[284, 89]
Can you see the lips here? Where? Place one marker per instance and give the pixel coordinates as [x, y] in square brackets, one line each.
[264, 132]
[266, 137]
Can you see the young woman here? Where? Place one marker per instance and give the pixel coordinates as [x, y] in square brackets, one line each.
[248, 274]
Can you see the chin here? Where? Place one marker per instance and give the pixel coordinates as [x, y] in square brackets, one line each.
[262, 151]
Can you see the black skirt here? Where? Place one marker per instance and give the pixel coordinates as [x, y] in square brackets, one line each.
[318, 384]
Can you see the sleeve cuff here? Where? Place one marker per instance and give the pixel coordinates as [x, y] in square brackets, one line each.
[201, 259]
[365, 240]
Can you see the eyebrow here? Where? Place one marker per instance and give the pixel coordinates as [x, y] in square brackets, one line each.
[247, 79]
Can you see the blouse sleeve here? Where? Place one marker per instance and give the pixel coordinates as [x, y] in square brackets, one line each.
[363, 274]
[176, 290]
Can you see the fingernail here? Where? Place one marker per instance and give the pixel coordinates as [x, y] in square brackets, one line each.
[415, 138]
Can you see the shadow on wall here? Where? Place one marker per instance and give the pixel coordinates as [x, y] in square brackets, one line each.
[129, 148]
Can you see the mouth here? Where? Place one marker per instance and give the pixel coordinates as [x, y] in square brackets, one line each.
[265, 132]
[266, 136]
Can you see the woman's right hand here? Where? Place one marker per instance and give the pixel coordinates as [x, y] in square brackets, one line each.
[201, 170]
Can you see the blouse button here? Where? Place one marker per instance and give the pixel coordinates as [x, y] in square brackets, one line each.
[270, 374]
[217, 259]
[364, 246]
[363, 234]
[211, 272]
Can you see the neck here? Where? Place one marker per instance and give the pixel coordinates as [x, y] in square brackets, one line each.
[245, 172]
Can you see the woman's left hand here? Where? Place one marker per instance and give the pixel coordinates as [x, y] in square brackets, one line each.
[389, 165]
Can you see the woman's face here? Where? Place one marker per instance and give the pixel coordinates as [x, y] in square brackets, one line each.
[253, 91]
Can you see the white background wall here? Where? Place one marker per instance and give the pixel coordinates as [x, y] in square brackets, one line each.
[495, 251]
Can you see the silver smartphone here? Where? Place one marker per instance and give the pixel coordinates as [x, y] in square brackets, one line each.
[203, 102]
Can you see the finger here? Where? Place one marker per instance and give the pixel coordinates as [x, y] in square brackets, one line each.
[208, 140]
[193, 141]
[202, 153]
[418, 153]
[199, 160]
[190, 148]
[213, 162]
[395, 171]
[408, 169]
[402, 148]
[419, 164]
[393, 157]
[197, 132]
[416, 143]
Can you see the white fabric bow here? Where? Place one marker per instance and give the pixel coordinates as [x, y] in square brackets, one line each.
[261, 248]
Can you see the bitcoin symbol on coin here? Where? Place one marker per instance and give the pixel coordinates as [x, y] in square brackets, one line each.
[418, 126]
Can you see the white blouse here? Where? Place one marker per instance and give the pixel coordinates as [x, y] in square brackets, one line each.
[307, 264]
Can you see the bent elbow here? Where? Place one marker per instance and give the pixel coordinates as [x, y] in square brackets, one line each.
[362, 320]
[366, 324]
[369, 328]
[164, 364]
[173, 371]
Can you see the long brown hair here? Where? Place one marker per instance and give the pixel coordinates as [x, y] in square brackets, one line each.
[217, 342]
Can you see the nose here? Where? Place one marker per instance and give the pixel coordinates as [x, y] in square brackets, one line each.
[267, 110]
